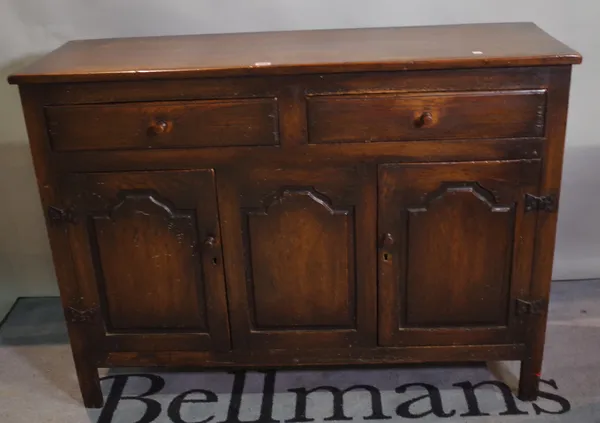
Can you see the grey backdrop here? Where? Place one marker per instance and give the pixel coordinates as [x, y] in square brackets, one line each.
[30, 28]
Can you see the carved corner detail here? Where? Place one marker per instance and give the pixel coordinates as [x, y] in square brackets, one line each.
[281, 196]
[486, 196]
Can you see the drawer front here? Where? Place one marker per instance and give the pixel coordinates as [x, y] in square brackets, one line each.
[207, 123]
[401, 117]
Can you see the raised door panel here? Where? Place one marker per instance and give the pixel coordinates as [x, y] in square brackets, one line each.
[300, 273]
[301, 259]
[456, 251]
[468, 243]
[147, 251]
[148, 241]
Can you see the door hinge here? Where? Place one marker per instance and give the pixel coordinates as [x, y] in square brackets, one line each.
[547, 203]
[57, 215]
[535, 307]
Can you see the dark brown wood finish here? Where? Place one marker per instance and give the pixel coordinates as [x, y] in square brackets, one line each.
[558, 96]
[451, 115]
[317, 357]
[298, 272]
[163, 125]
[149, 244]
[456, 250]
[303, 198]
[294, 52]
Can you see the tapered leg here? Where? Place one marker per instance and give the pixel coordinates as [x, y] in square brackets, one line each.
[89, 383]
[529, 379]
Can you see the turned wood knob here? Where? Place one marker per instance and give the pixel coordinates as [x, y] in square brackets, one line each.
[210, 241]
[158, 127]
[387, 240]
[425, 119]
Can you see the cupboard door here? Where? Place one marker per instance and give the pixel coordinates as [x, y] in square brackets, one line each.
[455, 252]
[300, 257]
[148, 245]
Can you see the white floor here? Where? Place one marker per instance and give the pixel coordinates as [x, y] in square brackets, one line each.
[38, 383]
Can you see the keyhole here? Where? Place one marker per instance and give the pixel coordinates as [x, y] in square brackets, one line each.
[214, 261]
[385, 257]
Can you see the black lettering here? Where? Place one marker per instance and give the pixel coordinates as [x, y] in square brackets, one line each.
[435, 400]
[338, 403]
[563, 402]
[174, 410]
[115, 395]
[266, 408]
[471, 398]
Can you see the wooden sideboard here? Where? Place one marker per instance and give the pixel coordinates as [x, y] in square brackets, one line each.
[302, 198]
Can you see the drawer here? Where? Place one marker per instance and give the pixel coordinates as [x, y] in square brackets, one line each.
[447, 115]
[173, 124]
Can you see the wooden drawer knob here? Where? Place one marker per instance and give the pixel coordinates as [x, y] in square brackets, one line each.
[387, 240]
[158, 127]
[425, 119]
[210, 241]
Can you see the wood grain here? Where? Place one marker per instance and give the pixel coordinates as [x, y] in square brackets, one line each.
[291, 89]
[317, 357]
[456, 229]
[156, 244]
[452, 115]
[296, 52]
[163, 125]
[359, 200]
[460, 286]
[303, 271]
[290, 255]
[139, 238]
[558, 100]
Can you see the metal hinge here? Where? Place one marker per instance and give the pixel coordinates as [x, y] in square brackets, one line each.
[73, 315]
[530, 307]
[58, 216]
[547, 203]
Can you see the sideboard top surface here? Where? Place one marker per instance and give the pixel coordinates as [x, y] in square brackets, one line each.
[297, 52]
